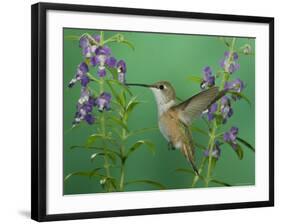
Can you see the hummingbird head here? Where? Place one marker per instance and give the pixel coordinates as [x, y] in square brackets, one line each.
[164, 93]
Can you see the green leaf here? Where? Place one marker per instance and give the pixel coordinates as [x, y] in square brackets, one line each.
[184, 170]
[129, 44]
[220, 182]
[150, 182]
[117, 83]
[110, 155]
[244, 142]
[120, 123]
[189, 171]
[239, 151]
[84, 174]
[143, 130]
[195, 79]
[131, 105]
[85, 147]
[72, 37]
[242, 96]
[199, 130]
[116, 96]
[93, 138]
[113, 72]
[200, 146]
[139, 143]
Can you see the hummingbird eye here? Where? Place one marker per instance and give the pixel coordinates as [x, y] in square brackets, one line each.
[161, 87]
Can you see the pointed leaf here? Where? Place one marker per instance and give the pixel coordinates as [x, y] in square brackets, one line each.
[195, 79]
[150, 182]
[242, 96]
[220, 182]
[143, 130]
[113, 72]
[106, 153]
[244, 142]
[120, 123]
[199, 130]
[239, 151]
[184, 170]
[129, 44]
[72, 37]
[83, 173]
[93, 138]
[132, 104]
[116, 96]
[139, 143]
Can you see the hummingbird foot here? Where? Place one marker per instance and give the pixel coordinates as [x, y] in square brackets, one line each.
[171, 146]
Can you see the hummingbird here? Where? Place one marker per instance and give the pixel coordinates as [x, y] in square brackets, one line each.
[174, 119]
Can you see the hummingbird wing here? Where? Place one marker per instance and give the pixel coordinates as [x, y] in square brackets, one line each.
[193, 107]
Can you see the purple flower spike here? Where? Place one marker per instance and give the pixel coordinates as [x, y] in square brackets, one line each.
[101, 72]
[111, 62]
[208, 80]
[216, 152]
[89, 118]
[103, 51]
[97, 38]
[84, 108]
[84, 67]
[85, 80]
[88, 48]
[226, 109]
[230, 137]
[211, 111]
[103, 101]
[236, 85]
[121, 69]
[94, 60]
[230, 62]
[81, 74]
[84, 42]
[103, 59]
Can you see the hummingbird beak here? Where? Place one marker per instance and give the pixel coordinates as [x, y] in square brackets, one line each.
[142, 85]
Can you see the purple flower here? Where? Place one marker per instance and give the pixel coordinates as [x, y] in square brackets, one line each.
[208, 79]
[230, 62]
[103, 101]
[88, 48]
[84, 107]
[236, 85]
[81, 74]
[230, 137]
[102, 59]
[226, 109]
[216, 152]
[121, 69]
[211, 111]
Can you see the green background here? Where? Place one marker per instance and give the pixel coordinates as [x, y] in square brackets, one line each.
[171, 57]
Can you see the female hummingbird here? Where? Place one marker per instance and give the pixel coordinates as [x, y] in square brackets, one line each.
[174, 119]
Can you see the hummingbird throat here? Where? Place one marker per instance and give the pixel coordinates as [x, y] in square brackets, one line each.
[163, 103]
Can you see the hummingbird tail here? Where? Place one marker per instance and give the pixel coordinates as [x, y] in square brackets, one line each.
[189, 156]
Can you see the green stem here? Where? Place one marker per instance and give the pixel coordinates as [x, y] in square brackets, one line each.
[101, 38]
[211, 146]
[214, 126]
[201, 167]
[111, 39]
[123, 161]
[103, 131]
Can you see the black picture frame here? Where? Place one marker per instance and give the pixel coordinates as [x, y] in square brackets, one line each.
[39, 108]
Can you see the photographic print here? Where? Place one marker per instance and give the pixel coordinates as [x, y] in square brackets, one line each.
[147, 111]
[144, 111]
